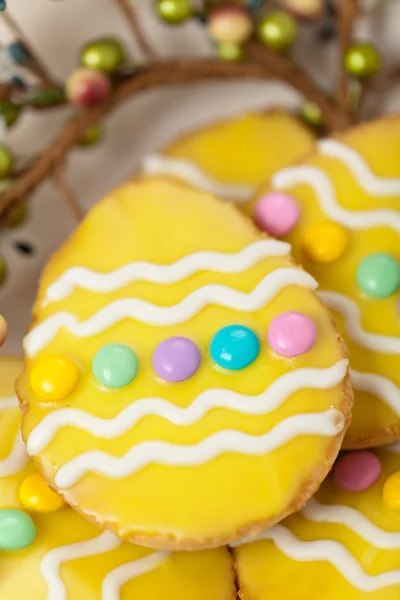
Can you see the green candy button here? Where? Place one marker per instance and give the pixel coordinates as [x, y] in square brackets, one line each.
[379, 275]
[115, 365]
[17, 530]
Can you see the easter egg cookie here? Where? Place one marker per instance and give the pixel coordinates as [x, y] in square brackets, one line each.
[340, 210]
[184, 385]
[231, 159]
[49, 552]
[345, 543]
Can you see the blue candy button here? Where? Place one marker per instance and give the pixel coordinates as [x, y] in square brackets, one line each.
[234, 347]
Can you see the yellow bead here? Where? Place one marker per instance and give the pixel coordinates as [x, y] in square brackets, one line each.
[325, 241]
[36, 495]
[391, 491]
[54, 378]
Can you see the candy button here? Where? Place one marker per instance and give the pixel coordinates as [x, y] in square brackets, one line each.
[176, 359]
[17, 530]
[115, 365]
[379, 275]
[234, 347]
[54, 377]
[391, 491]
[277, 213]
[36, 495]
[325, 241]
[357, 471]
[291, 334]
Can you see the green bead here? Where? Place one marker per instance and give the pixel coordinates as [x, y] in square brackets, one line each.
[105, 54]
[10, 112]
[91, 136]
[229, 51]
[312, 114]
[362, 60]
[277, 30]
[17, 215]
[17, 530]
[115, 365]
[3, 270]
[174, 11]
[379, 275]
[6, 162]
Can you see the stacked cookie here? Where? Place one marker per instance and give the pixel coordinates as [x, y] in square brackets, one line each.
[186, 388]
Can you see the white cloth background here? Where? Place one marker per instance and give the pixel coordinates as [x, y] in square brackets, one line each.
[58, 28]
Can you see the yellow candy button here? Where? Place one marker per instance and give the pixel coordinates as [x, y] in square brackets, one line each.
[36, 495]
[391, 491]
[325, 241]
[54, 378]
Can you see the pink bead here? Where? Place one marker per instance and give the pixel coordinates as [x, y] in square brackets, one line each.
[357, 471]
[292, 334]
[277, 214]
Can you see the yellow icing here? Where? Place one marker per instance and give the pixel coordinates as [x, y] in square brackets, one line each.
[373, 421]
[160, 221]
[247, 149]
[206, 575]
[265, 572]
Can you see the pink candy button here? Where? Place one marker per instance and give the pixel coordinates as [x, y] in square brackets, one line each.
[292, 334]
[357, 471]
[277, 214]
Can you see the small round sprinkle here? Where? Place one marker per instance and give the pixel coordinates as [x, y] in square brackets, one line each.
[378, 276]
[54, 377]
[391, 491]
[292, 334]
[17, 530]
[176, 359]
[325, 241]
[36, 495]
[277, 214]
[234, 347]
[357, 471]
[115, 365]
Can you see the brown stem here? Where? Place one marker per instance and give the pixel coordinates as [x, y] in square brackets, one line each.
[38, 67]
[66, 190]
[132, 19]
[347, 13]
[165, 74]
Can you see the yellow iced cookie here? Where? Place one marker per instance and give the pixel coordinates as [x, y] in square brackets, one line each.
[184, 385]
[49, 552]
[231, 159]
[345, 543]
[340, 210]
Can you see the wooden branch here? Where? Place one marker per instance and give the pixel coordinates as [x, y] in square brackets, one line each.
[38, 67]
[133, 22]
[67, 192]
[165, 74]
[347, 13]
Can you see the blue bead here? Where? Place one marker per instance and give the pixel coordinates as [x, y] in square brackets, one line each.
[234, 347]
[18, 53]
[254, 4]
[3, 5]
[16, 80]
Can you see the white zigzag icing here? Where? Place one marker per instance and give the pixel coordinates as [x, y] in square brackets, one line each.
[18, 458]
[134, 308]
[380, 386]
[273, 397]
[329, 424]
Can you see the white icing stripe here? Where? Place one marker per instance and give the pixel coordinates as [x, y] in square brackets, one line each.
[272, 398]
[220, 262]
[52, 561]
[18, 457]
[332, 552]
[155, 164]
[353, 520]
[326, 194]
[352, 317]
[380, 386]
[112, 584]
[327, 424]
[366, 178]
[145, 312]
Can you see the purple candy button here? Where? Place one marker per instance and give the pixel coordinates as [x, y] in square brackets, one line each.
[357, 471]
[176, 359]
